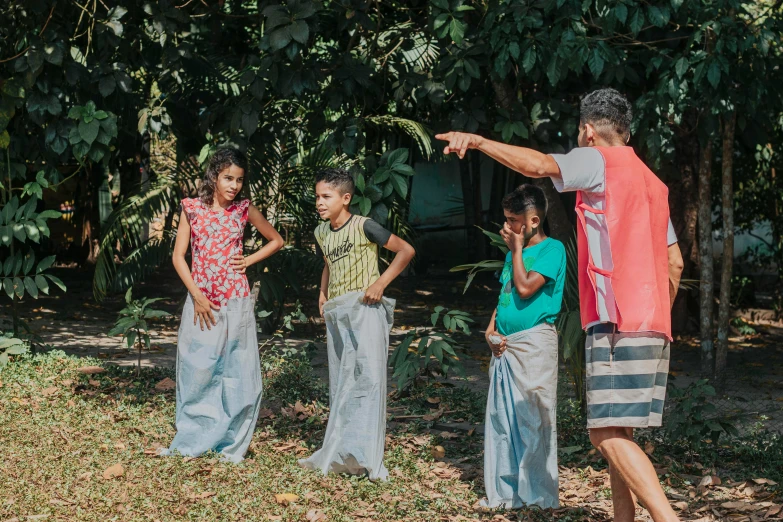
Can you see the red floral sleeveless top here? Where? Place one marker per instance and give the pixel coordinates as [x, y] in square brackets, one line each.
[215, 236]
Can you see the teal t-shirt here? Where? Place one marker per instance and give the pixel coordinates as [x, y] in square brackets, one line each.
[515, 314]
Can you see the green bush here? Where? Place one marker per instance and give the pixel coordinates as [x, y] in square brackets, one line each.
[693, 418]
[289, 376]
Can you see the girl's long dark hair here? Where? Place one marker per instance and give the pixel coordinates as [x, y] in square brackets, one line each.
[222, 159]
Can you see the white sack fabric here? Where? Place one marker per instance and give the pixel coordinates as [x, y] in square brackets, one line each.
[520, 439]
[357, 345]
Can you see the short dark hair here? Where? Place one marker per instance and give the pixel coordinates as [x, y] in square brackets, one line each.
[608, 111]
[222, 159]
[524, 198]
[337, 178]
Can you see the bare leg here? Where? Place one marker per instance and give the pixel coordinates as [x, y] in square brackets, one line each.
[622, 498]
[636, 475]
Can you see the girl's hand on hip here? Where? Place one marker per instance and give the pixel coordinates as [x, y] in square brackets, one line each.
[203, 312]
[238, 263]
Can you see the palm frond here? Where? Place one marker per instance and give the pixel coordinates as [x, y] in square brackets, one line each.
[144, 260]
[420, 133]
[127, 225]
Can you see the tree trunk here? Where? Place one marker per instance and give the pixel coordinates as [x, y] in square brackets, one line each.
[144, 171]
[478, 205]
[705, 261]
[727, 200]
[684, 209]
[467, 201]
[497, 191]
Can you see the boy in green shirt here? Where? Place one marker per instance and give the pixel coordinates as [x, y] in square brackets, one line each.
[358, 321]
[520, 443]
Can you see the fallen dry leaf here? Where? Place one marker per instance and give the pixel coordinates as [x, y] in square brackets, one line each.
[285, 498]
[166, 384]
[120, 446]
[315, 515]
[51, 390]
[263, 413]
[710, 480]
[89, 370]
[113, 471]
[432, 416]
[682, 505]
[438, 452]
[773, 510]
[94, 383]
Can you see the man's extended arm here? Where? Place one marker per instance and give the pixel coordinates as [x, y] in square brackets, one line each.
[529, 162]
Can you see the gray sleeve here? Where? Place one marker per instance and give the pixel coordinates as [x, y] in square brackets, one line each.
[581, 169]
[671, 235]
[376, 233]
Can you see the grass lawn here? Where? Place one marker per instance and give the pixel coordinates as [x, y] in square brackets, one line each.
[77, 445]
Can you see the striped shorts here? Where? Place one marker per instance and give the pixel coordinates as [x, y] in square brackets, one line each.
[626, 377]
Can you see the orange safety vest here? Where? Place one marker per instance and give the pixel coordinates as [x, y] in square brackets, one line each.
[637, 216]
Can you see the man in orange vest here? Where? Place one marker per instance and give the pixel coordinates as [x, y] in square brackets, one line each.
[629, 271]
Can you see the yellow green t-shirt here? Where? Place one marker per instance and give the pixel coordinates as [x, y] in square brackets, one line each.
[352, 253]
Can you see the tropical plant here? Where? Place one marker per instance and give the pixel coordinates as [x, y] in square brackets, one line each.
[132, 322]
[21, 226]
[487, 265]
[10, 345]
[434, 352]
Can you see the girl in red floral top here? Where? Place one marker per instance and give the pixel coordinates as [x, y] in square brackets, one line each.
[218, 371]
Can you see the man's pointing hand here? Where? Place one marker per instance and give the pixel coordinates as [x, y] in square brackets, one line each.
[459, 142]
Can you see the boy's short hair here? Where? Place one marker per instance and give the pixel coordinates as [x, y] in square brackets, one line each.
[525, 198]
[608, 111]
[337, 178]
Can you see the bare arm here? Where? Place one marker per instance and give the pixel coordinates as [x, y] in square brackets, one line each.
[529, 162]
[202, 306]
[323, 294]
[405, 253]
[675, 271]
[526, 283]
[274, 241]
[497, 349]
